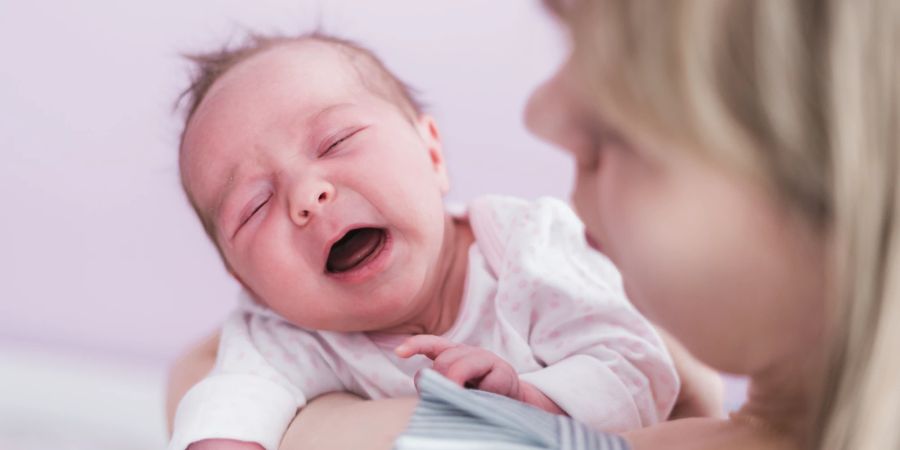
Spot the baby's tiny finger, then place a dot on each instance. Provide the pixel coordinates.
(424, 344)
(445, 360)
(499, 381)
(469, 368)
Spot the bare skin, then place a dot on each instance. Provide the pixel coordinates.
(377, 423)
(711, 256)
(280, 151)
(476, 368)
(782, 376)
(323, 424)
(284, 158)
(320, 425)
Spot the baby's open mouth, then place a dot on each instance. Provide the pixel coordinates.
(355, 249)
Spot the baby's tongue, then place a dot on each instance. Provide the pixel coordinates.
(353, 249)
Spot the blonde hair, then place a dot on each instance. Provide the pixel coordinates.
(804, 95)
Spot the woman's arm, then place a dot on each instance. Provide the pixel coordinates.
(187, 370)
(342, 421)
(702, 392)
(333, 421)
(339, 420)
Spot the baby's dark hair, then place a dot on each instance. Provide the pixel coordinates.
(208, 67)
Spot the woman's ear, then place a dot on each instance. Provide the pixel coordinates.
(428, 131)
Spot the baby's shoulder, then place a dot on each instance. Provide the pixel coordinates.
(510, 215)
(256, 322)
(506, 224)
(544, 235)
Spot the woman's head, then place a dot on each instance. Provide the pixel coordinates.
(738, 161)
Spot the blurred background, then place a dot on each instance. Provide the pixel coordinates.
(106, 274)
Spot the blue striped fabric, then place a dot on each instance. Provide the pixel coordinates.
(449, 418)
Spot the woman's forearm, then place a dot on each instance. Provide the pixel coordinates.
(342, 421)
(187, 371)
(702, 392)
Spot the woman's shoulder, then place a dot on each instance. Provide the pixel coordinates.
(706, 434)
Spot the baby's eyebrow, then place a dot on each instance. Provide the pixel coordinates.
(328, 109)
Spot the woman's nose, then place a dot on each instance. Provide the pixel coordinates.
(308, 198)
(550, 113)
(543, 105)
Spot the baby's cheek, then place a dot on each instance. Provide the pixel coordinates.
(268, 269)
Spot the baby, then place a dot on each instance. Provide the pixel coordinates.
(320, 181)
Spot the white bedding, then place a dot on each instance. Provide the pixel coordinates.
(51, 399)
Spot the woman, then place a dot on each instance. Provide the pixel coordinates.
(738, 160)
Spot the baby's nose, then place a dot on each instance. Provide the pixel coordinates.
(308, 201)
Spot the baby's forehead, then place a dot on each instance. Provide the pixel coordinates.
(299, 76)
(284, 83)
(300, 83)
(358, 67)
(284, 62)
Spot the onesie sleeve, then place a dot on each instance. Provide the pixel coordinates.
(604, 364)
(248, 396)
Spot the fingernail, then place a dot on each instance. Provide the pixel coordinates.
(402, 349)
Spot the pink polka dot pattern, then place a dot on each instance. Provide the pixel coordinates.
(536, 296)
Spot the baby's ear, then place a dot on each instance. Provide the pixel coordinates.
(428, 131)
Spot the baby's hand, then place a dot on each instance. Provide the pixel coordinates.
(224, 444)
(476, 368)
(465, 365)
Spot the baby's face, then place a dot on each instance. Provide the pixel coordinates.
(325, 198)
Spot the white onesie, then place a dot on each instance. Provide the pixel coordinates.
(535, 294)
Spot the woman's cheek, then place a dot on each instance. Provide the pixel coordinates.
(584, 201)
(638, 236)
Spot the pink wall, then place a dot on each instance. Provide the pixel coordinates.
(98, 249)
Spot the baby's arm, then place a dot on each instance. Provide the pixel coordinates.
(332, 421)
(603, 363)
(245, 398)
(187, 371)
(476, 367)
